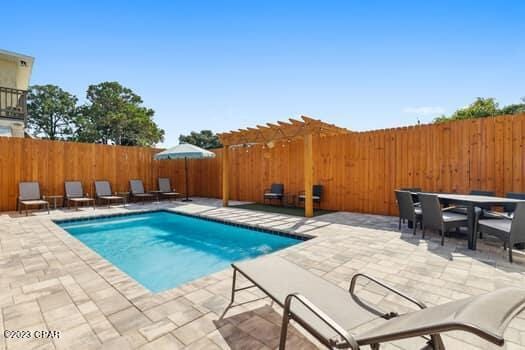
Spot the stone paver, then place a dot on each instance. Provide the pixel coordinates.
(49, 280)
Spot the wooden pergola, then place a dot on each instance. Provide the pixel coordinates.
(293, 129)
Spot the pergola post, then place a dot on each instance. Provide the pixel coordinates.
(308, 176)
(225, 175)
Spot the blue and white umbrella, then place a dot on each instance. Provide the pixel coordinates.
(185, 151)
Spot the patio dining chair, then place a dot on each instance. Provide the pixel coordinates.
(414, 191)
(341, 319)
(29, 195)
(165, 188)
(317, 193)
(510, 208)
(137, 190)
(103, 192)
(509, 230)
(75, 194)
(276, 191)
(408, 210)
(436, 218)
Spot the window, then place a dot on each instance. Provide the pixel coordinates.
(5, 131)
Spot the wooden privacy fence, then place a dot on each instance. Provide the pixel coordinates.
(52, 162)
(359, 170)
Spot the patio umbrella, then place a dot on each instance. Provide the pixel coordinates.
(185, 151)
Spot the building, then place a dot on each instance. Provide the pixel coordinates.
(15, 73)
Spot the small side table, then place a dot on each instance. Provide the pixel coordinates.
(156, 193)
(124, 195)
(54, 198)
(289, 200)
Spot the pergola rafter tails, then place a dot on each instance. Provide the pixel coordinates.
(280, 131)
(289, 130)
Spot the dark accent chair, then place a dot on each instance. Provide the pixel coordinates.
(317, 193)
(436, 218)
(276, 191)
(510, 231)
(407, 209)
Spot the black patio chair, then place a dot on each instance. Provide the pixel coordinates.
(436, 218)
(407, 209)
(317, 193)
(276, 191)
(510, 208)
(414, 191)
(510, 231)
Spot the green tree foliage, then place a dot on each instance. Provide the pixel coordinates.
(205, 139)
(481, 108)
(514, 108)
(52, 112)
(114, 114)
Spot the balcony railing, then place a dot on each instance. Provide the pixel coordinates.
(13, 103)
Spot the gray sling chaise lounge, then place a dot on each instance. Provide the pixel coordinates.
(339, 319)
(137, 190)
(103, 192)
(75, 194)
(29, 195)
(165, 188)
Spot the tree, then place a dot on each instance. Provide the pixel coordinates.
(514, 108)
(205, 139)
(51, 111)
(114, 114)
(481, 108)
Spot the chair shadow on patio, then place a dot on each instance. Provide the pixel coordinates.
(257, 329)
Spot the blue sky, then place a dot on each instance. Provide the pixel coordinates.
(223, 65)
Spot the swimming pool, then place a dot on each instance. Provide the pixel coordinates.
(162, 250)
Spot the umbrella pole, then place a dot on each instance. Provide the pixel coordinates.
(186, 177)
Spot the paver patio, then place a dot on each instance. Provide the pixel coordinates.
(49, 280)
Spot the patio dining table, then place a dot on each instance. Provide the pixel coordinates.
(470, 202)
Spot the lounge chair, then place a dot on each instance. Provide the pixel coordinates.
(75, 194)
(137, 190)
(339, 319)
(435, 218)
(510, 230)
(165, 188)
(29, 195)
(276, 191)
(103, 192)
(317, 193)
(408, 209)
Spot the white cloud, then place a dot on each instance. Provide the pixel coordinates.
(424, 110)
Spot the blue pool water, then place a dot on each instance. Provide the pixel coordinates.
(162, 250)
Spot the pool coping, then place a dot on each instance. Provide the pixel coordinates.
(130, 288)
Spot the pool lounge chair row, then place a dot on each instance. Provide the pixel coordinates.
(30, 195)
